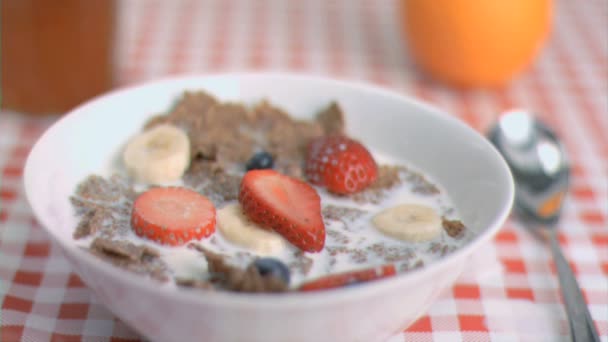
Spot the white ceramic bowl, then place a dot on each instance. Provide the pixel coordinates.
(85, 140)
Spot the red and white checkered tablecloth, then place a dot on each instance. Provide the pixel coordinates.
(513, 298)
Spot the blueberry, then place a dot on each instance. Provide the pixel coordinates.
(271, 267)
(353, 282)
(259, 161)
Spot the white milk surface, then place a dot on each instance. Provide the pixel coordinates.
(185, 262)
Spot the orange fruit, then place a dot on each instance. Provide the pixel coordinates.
(475, 43)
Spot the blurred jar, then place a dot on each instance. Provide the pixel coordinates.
(55, 53)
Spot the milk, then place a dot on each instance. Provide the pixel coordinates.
(363, 239)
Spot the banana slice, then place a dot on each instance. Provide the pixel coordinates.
(409, 222)
(159, 155)
(236, 228)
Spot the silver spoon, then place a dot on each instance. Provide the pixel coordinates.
(541, 171)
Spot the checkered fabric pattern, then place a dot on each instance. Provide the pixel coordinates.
(510, 293)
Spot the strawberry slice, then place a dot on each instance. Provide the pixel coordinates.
(172, 215)
(286, 205)
(341, 164)
(343, 279)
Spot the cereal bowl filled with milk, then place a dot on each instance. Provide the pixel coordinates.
(266, 207)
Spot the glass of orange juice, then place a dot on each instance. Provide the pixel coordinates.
(55, 54)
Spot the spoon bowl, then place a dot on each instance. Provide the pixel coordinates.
(538, 162)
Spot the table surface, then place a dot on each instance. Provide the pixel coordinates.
(515, 299)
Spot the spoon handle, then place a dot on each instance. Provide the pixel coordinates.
(581, 323)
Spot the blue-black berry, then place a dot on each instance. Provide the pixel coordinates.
(271, 267)
(353, 282)
(259, 161)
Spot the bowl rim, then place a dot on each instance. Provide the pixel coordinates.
(290, 299)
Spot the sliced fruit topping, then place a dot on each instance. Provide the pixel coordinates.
(286, 205)
(271, 267)
(159, 155)
(409, 222)
(238, 229)
(349, 278)
(341, 164)
(172, 215)
(260, 161)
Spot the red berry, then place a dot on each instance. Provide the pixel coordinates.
(286, 205)
(173, 215)
(341, 164)
(347, 278)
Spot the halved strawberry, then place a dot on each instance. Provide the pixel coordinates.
(286, 205)
(341, 164)
(172, 215)
(348, 278)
